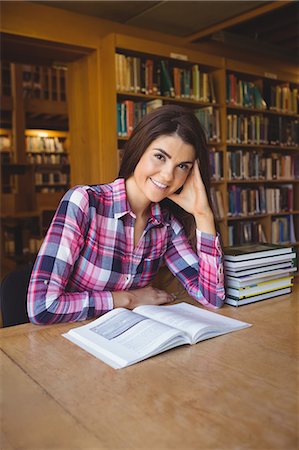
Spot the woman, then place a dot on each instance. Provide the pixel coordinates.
(107, 242)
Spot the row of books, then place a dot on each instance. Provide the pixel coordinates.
(241, 232)
(129, 113)
(243, 93)
(258, 129)
(217, 203)
(283, 230)
(44, 82)
(44, 158)
(51, 178)
(47, 189)
(5, 144)
(248, 94)
(41, 144)
(282, 98)
(34, 245)
(257, 165)
(216, 164)
(163, 77)
(209, 118)
(243, 201)
(255, 272)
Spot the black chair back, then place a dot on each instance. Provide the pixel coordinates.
(13, 296)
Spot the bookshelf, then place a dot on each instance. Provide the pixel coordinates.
(34, 144)
(262, 150)
(254, 154)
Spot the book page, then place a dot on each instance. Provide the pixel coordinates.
(135, 332)
(196, 322)
(179, 318)
(122, 337)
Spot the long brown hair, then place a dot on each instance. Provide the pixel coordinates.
(164, 121)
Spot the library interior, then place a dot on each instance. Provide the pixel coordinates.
(75, 79)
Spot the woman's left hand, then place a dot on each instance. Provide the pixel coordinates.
(193, 197)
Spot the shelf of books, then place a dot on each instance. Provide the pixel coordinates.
(34, 144)
(47, 153)
(262, 137)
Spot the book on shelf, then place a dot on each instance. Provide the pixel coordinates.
(216, 164)
(243, 93)
(244, 201)
(44, 82)
(281, 97)
(255, 272)
(153, 76)
(242, 232)
(256, 165)
(217, 203)
(209, 118)
(122, 337)
(129, 114)
(50, 144)
(283, 229)
(261, 130)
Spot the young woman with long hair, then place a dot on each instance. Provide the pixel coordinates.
(107, 242)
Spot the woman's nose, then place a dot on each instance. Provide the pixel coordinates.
(167, 173)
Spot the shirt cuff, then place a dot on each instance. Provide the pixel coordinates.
(208, 243)
(210, 251)
(103, 302)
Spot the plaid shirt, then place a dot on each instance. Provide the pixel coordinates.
(89, 252)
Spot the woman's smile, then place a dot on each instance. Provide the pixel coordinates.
(158, 185)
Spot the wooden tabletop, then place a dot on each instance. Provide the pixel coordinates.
(237, 391)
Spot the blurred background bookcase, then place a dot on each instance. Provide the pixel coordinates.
(262, 146)
(73, 130)
(34, 154)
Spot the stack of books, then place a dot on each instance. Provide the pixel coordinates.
(255, 272)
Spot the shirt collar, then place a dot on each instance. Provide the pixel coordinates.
(122, 207)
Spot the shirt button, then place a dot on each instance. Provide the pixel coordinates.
(46, 281)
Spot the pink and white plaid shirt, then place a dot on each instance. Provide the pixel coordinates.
(89, 252)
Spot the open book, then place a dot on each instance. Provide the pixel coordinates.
(122, 337)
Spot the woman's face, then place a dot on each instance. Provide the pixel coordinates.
(163, 168)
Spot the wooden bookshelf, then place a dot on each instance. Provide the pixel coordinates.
(34, 177)
(285, 113)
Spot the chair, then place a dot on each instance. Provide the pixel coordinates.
(13, 296)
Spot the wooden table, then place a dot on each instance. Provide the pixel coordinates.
(237, 391)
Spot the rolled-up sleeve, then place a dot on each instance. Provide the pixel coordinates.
(48, 300)
(200, 273)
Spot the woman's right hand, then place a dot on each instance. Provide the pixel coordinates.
(143, 296)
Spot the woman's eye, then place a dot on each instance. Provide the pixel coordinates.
(160, 156)
(183, 166)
